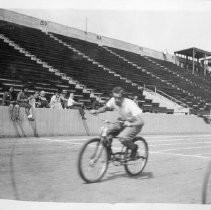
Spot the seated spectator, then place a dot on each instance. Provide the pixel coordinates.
(34, 99)
(23, 101)
(9, 99)
(55, 102)
(43, 102)
(72, 104)
(64, 99)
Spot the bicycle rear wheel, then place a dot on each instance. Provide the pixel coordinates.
(206, 187)
(136, 166)
(93, 161)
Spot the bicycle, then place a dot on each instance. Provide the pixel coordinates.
(206, 186)
(97, 153)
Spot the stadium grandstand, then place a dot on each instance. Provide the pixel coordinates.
(46, 60)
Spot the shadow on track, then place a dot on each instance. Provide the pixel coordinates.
(116, 175)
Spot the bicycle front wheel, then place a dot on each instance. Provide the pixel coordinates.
(136, 166)
(93, 161)
(206, 187)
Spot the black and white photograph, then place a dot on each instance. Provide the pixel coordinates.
(105, 104)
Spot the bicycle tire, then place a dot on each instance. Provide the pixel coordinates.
(96, 146)
(205, 185)
(141, 155)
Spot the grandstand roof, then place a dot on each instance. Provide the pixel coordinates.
(198, 52)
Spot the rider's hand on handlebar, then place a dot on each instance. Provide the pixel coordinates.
(93, 112)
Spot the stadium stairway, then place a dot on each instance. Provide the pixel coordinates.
(193, 94)
(147, 105)
(181, 77)
(203, 82)
(152, 73)
(95, 62)
(120, 67)
(99, 65)
(166, 101)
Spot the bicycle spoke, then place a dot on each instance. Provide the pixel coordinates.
(93, 161)
(136, 166)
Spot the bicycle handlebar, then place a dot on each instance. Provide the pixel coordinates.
(108, 121)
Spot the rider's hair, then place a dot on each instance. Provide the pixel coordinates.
(118, 90)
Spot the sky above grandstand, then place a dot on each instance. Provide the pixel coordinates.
(156, 24)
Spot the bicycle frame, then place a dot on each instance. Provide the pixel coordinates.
(117, 156)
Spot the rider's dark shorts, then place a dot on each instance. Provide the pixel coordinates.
(125, 133)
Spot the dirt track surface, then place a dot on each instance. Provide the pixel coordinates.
(45, 169)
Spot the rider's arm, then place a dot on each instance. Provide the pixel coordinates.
(107, 107)
(102, 110)
(138, 121)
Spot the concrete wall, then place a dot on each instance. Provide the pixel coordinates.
(68, 122)
(76, 33)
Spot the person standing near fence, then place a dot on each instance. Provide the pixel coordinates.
(43, 102)
(64, 99)
(55, 102)
(9, 99)
(72, 104)
(23, 101)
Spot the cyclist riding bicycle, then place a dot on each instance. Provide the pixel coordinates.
(129, 113)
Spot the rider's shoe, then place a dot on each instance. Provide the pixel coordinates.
(134, 152)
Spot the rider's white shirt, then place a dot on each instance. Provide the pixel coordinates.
(70, 102)
(128, 110)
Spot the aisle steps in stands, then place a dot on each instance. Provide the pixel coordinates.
(197, 90)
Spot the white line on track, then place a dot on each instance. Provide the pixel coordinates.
(180, 155)
(161, 152)
(177, 136)
(170, 140)
(148, 140)
(172, 144)
(204, 147)
(72, 142)
(62, 140)
(180, 136)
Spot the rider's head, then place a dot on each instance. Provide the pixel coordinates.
(118, 94)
